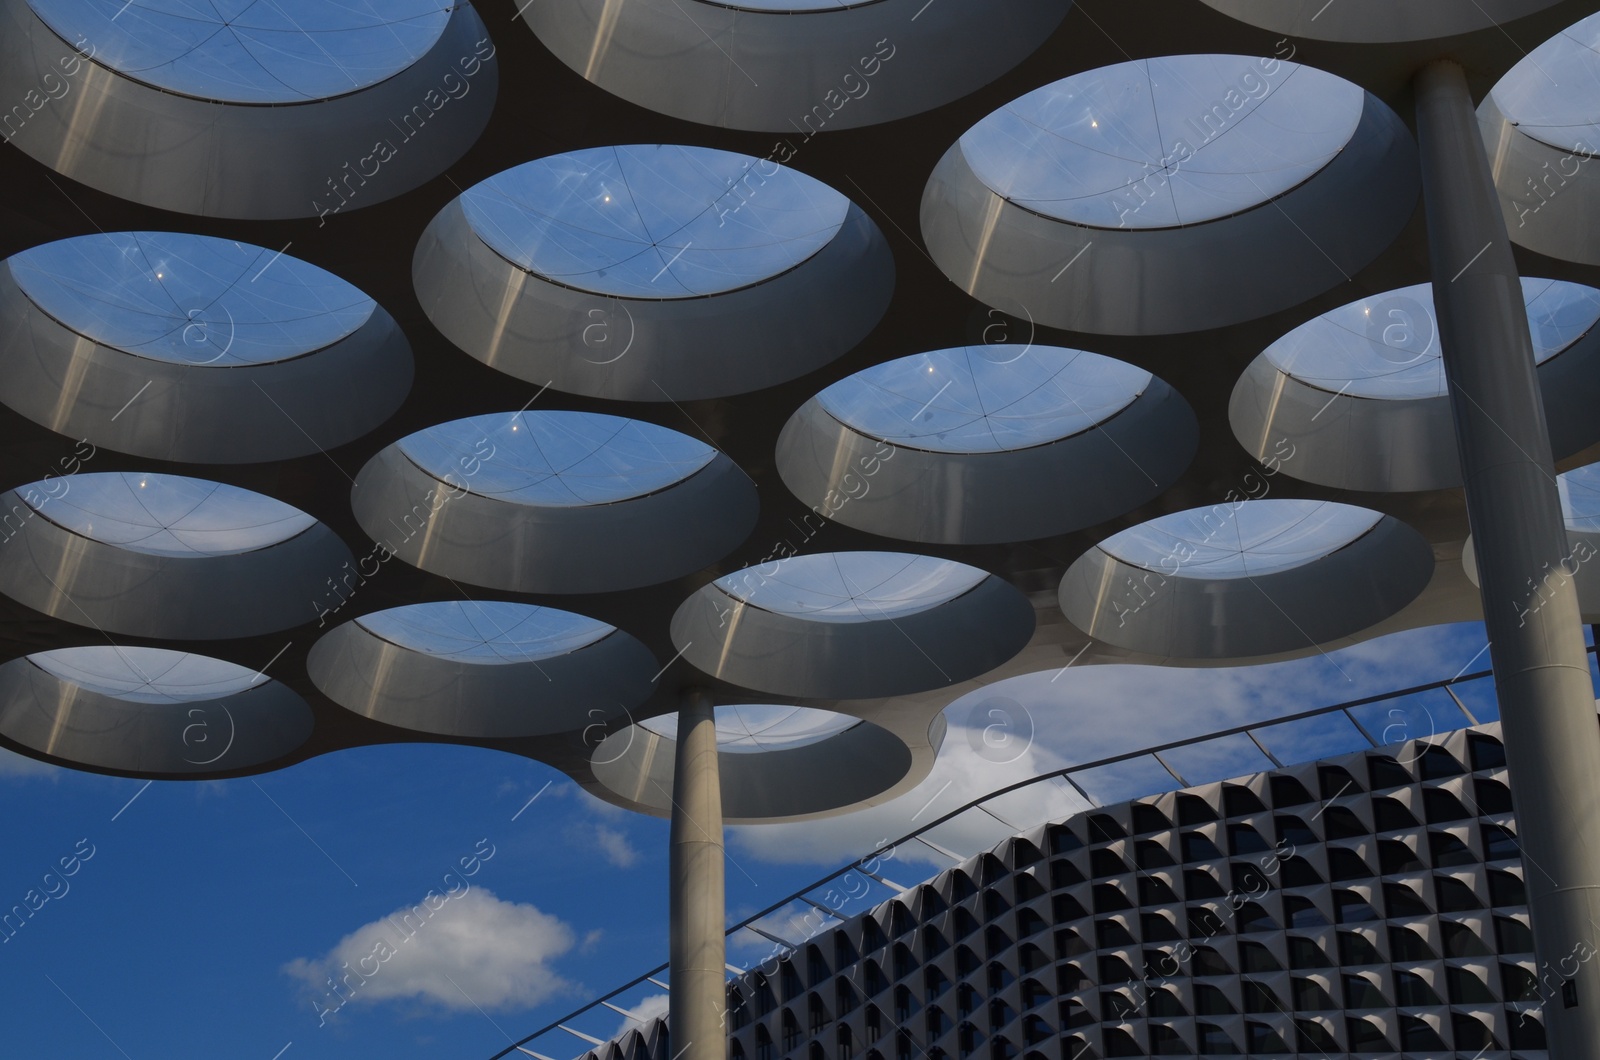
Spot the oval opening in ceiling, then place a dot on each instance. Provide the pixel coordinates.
(753, 728)
(1580, 498)
(844, 587)
(654, 221)
(188, 299)
(484, 631)
(1256, 538)
(556, 458)
(1163, 142)
(1553, 94)
(244, 51)
(169, 515)
(1387, 346)
(984, 399)
(146, 675)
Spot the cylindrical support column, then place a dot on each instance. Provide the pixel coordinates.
(1530, 604)
(696, 1022)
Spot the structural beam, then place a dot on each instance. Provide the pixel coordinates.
(696, 1022)
(1547, 703)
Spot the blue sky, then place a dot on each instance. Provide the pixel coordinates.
(203, 919)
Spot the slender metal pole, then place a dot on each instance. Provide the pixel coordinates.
(697, 1021)
(1547, 704)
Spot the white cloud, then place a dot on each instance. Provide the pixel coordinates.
(615, 846)
(967, 768)
(15, 765)
(646, 1010)
(587, 800)
(497, 953)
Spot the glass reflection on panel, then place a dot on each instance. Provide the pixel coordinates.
(251, 51)
(1242, 540)
(852, 586)
(556, 458)
(1387, 346)
(1167, 141)
(146, 675)
(984, 399)
(485, 631)
(189, 299)
(752, 728)
(167, 515)
(654, 221)
(1553, 94)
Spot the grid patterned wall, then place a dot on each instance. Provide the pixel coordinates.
(1368, 905)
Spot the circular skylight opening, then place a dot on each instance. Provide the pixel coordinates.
(169, 515)
(188, 299)
(1553, 94)
(654, 221)
(1387, 346)
(1255, 538)
(984, 399)
(146, 675)
(789, 6)
(149, 711)
(245, 51)
(852, 625)
(482, 631)
(777, 762)
(754, 728)
(482, 669)
(1580, 498)
(1162, 142)
(556, 458)
(1378, 21)
(1242, 579)
(845, 587)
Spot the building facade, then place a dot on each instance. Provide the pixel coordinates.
(1371, 904)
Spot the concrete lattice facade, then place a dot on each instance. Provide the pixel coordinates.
(1366, 905)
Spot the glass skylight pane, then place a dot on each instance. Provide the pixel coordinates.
(1120, 781)
(168, 515)
(1387, 346)
(252, 51)
(852, 586)
(753, 728)
(654, 221)
(1419, 716)
(1308, 739)
(1553, 94)
(1167, 141)
(189, 299)
(1559, 314)
(482, 631)
(1580, 498)
(984, 399)
(1252, 539)
(146, 675)
(1222, 758)
(556, 458)
(784, 6)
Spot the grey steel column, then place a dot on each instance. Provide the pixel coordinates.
(696, 1022)
(1547, 704)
